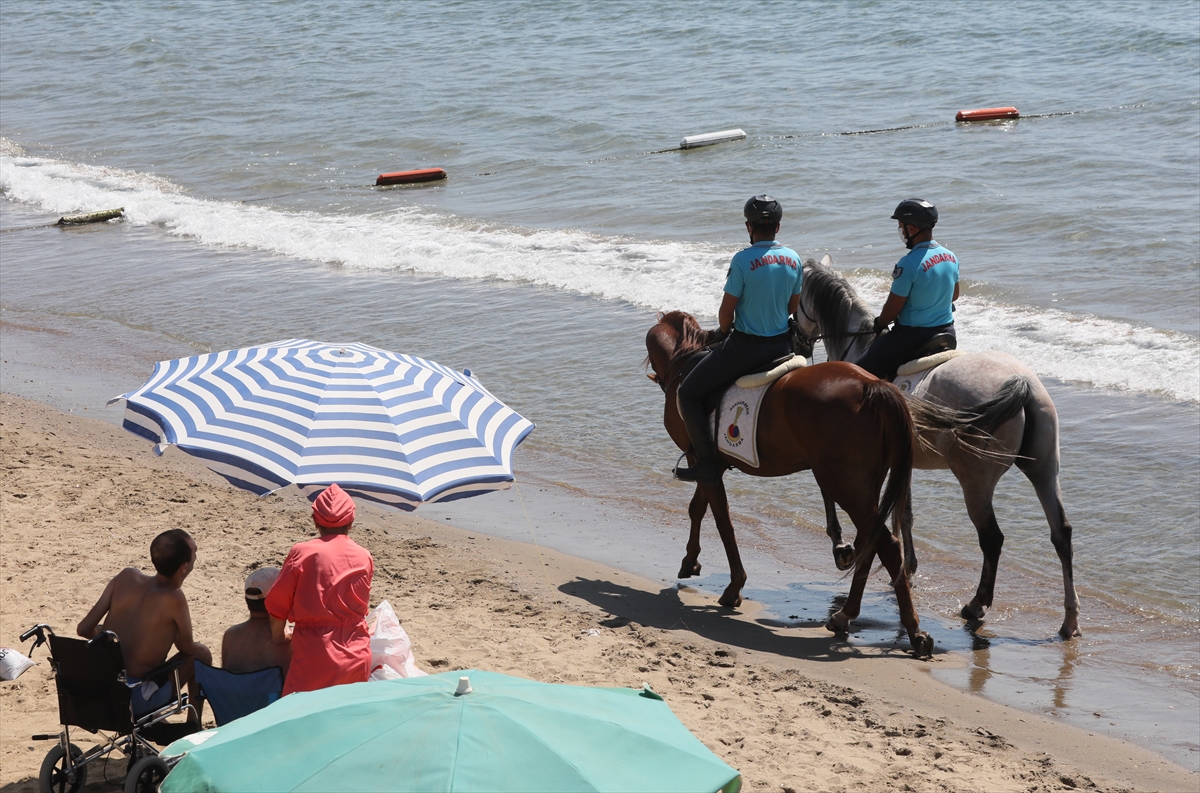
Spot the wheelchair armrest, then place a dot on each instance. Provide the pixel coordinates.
(161, 672)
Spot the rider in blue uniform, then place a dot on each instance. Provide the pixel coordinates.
(924, 288)
(761, 291)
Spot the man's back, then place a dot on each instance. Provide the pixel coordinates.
(145, 617)
(248, 647)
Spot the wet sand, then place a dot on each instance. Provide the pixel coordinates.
(792, 708)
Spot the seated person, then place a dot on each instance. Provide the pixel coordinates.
(247, 646)
(149, 614)
(324, 589)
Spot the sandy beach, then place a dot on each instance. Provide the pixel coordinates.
(793, 709)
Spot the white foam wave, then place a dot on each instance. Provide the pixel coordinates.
(1075, 347)
(658, 275)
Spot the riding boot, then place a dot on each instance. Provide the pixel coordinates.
(707, 470)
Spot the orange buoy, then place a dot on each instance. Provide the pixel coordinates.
(411, 177)
(987, 114)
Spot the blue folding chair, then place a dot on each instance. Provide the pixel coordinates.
(236, 694)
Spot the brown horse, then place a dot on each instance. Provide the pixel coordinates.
(848, 427)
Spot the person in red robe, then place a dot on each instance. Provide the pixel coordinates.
(324, 588)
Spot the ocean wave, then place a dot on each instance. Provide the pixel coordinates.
(662, 275)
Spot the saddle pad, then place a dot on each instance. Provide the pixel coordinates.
(766, 378)
(911, 378)
(737, 426)
(913, 385)
(926, 363)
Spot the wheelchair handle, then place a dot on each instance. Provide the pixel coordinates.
(38, 629)
(103, 636)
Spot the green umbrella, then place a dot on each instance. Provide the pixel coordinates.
(425, 734)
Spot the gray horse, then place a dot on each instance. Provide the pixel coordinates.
(834, 313)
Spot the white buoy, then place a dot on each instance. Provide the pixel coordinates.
(709, 138)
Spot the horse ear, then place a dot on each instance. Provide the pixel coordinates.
(827, 260)
(653, 377)
(658, 317)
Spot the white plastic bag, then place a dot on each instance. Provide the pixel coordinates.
(12, 663)
(391, 649)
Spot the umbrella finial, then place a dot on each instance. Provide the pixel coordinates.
(464, 686)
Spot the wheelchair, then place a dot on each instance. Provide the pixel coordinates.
(93, 695)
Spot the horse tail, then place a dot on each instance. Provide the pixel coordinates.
(890, 406)
(971, 429)
(1008, 401)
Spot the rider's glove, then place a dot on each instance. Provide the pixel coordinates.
(880, 325)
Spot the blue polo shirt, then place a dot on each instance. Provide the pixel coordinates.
(763, 278)
(926, 276)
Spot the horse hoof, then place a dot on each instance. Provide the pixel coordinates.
(973, 613)
(843, 556)
(922, 645)
(730, 601)
(1069, 631)
(689, 569)
(839, 623)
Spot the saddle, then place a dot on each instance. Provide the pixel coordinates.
(932, 354)
(940, 342)
(713, 400)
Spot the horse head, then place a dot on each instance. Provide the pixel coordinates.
(675, 334)
(832, 311)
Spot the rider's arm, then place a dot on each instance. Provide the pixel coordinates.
(891, 310)
(955, 298)
(89, 626)
(725, 315)
(794, 306)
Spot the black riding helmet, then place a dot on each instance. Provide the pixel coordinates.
(917, 212)
(762, 210)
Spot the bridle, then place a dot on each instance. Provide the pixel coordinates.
(811, 341)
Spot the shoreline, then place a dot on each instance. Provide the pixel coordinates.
(791, 708)
(1099, 683)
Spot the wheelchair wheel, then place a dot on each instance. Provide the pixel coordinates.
(146, 775)
(53, 776)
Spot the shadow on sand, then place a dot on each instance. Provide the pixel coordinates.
(667, 611)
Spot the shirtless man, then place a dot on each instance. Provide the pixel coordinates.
(248, 646)
(149, 613)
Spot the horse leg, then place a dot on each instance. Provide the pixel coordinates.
(696, 511)
(843, 552)
(910, 553)
(978, 495)
(839, 621)
(889, 553)
(732, 596)
(1050, 495)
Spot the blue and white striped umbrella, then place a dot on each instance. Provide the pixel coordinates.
(387, 427)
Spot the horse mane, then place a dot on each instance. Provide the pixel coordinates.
(834, 301)
(690, 336)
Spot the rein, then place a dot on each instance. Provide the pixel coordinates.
(678, 369)
(812, 340)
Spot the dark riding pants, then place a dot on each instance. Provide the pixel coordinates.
(897, 347)
(738, 354)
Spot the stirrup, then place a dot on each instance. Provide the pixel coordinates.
(700, 473)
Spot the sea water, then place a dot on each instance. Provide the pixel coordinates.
(243, 142)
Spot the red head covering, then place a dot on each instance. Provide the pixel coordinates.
(333, 509)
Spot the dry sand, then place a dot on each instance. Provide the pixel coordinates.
(793, 709)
